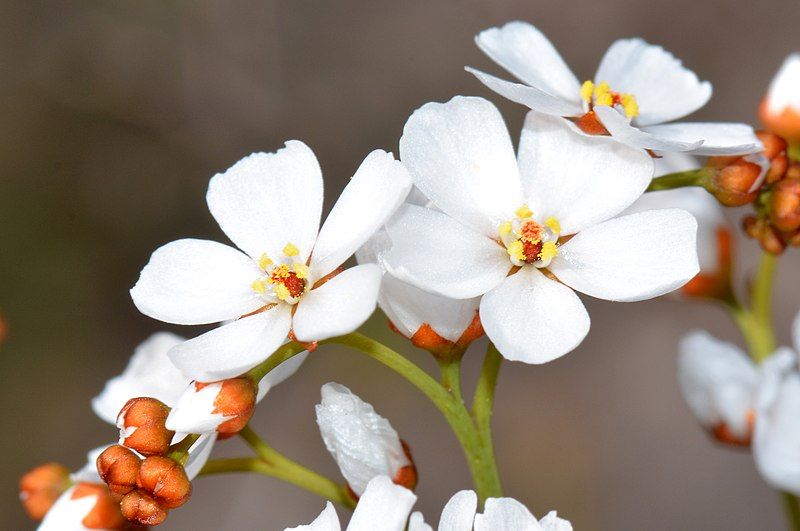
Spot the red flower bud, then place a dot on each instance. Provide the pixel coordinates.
(784, 205)
(763, 231)
(119, 468)
(141, 424)
(443, 349)
(236, 399)
(40, 488)
(775, 151)
(138, 507)
(106, 511)
(165, 480)
(407, 476)
(731, 179)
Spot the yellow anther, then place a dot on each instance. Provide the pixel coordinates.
(291, 250)
(549, 251)
(279, 272)
(301, 270)
(602, 94)
(630, 105)
(505, 229)
(516, 250)
(524, 212)
(586, 91)
(259, 287)
(282, 292)
(554, 225)
(264, 262)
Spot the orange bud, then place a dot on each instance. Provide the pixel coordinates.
(140, 508)
(119, 467)
(723, 434)
(716, 284)
(407, 476)
(165, 480)
(591, 125)
(785, 205)
(730, 180)
(443, 349)
(141, 423)
(775, 151)
(785, 123)
(40, 488)
(761, 230)
(236, 399)
(106, 511)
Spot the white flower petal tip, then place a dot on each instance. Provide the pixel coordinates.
(780, 110)
(199, 453)
(530, 96)
(195, 410)
(72, 507)
(717, 138)
(383, 506)
(532, 318)
(507, 514)
(719, 383)
(417, 522)
(631, 258)
(148, 373)
(326, 521)
(363, 443)
(459, 512)
(621, 129)
(268, 199)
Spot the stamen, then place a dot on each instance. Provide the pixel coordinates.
(524, 212)
(291, 250)
(554, 225)
(586, 91)
(264, 262)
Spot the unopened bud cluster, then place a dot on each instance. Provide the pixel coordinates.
(40, 488)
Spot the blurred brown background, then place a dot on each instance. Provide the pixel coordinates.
(113, 115)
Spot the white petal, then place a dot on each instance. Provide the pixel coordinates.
(505, 514)
(718, 381)
(460, 155)
(551, 522)
(68, 514)
(784, 91)
(703, 206)
(459, 512)
(279, 374)
(776, 446)
(196, 282)
(417, 522)
(326, 521)
(339, 306)
(438, 254)
(631, 258)
(384, 506)
(234, 348)
(199, 453)
(718, 138)
(664, 89)
(533, 319)
(622, 130)
(149, 373)
(363, 443)
(194, 411)
(530, 96)
(267, 200)
(524, 51)
(578, 178)
(376, 190)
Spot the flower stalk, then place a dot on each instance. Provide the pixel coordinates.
(677, 180)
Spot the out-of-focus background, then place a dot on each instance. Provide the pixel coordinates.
(113, 115)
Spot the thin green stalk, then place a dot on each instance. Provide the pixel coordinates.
(284, 353)
(483, 401)
(270, 462)
(792, 506)
(677, 180)
(180, 450)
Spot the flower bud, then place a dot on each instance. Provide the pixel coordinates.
(141, 426)
(165, 480)
(224, 406)
(780, 109)
(775, 152)
(138, 507)
(118, 467)
(761, 230)
(106, 511)
(784, 205)
(407, 476)
(443, 349)
(734, 181)
(40, 488)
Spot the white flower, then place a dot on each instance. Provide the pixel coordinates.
(502, 229)
(416, 313)
(384, 506)
(70, 510)
(776, 443)
(638, 87)
(363, 443)
(269, 205)
(780, 110)
(196, 410)
(719, 383)
(149, 373)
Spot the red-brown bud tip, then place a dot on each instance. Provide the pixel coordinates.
(119, 468)
(591, 125)
(236, 399)
(775, 151)
(106, 511)
(763, 231)
(40, 488)
(730, 180)
(141, 423)
(723, 434)
(165, 480)
(140, 508)
(407, 476)
(785, 205)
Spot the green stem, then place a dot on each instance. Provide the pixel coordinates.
(755, 321)
(792, 506)
(284, 353)
(677, 180)
(180, 450)
(447, 398)
(483, 401)
(270, 462)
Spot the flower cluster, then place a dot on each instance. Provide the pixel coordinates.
(462, 236)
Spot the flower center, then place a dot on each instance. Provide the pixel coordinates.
(601, 94)
(528, 241)
(286, 281)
